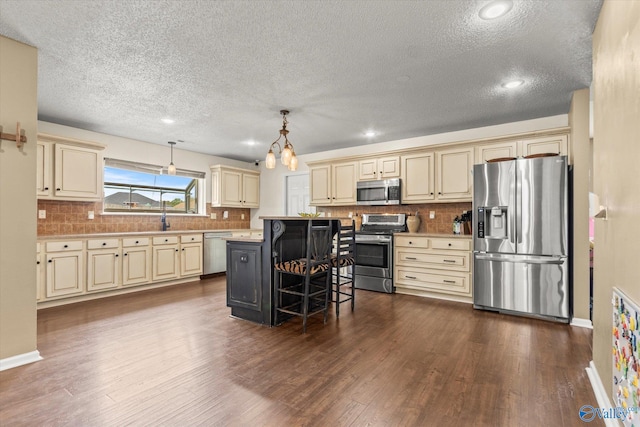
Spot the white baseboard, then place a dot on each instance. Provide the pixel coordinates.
(601, 393)
(19, 360)
(581, 323)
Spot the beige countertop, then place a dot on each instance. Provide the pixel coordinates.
(455, 236)
(143, 233)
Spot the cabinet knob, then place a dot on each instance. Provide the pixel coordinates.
(57, 189)
(126, 254)
(49, 261)
(182, 249)
(117, 255)
(439, 192)
(449, 244)
(66, 246)
(166, 240)
(137, 242)
(46, 188)
(104, 243)
(411, 243)
(38, 262)
(177, 250)
(431, 194)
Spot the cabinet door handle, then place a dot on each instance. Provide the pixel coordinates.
(411, 277)
(449, 260)
(411, 258)
(449, 281)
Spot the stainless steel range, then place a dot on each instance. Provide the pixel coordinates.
(374, 251)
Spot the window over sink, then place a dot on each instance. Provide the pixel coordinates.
(144, 188)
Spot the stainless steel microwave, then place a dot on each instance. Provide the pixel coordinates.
(379, 192)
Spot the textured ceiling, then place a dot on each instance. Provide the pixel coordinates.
(223, 70)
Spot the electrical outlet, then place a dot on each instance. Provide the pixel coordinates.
(42, 214)
(225, 215)
(241, 216)
(432, 214)
(214, 215)
(350, 214)
(90, 215)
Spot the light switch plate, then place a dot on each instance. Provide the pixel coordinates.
(42, 214)
(241, 216)
(432, 214)
(225, 215)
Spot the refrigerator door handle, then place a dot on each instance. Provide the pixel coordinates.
(527, 260)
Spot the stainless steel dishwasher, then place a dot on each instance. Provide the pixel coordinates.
(215, 253)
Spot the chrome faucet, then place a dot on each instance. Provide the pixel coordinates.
(165, 224)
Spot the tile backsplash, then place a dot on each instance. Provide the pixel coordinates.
(66, 217)
(442, 223)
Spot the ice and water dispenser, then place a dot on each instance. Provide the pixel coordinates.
(492, 222)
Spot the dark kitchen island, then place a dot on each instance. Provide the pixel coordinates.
(251, 278)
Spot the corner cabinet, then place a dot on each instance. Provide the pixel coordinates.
(234, 187)
(333, 184)
(69, 169)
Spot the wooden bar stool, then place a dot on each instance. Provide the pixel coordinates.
(309, 294)
(343, 261)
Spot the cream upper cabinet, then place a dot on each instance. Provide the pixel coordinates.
(44, 172)
(379, 168)
(418, 174)
(234, 187)
(454, 181)
(487, 152)
(320, 185)
(333, 184)
(344, 183)
(557, 144)
(68, 169)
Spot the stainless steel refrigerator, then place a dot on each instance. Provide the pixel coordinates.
(521, 251)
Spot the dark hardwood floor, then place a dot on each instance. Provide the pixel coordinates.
(174, 357)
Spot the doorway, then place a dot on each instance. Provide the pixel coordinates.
(297, 194)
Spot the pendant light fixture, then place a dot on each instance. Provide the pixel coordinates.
(287, 154)
(171, 170)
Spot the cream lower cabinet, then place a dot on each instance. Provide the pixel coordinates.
(65, 268)
(166, 258)
(191, 255)
(333, 184)
(103, 264)
(136, 261)
(433, 266)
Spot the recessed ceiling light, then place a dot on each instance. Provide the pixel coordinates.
(251, 142)
(495, 9)
(370, 133)
(168, 120)
(512, 84)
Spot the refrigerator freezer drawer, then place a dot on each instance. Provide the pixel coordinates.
(530, 285)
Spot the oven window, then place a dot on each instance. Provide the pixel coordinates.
(371, 194)
(372, 255)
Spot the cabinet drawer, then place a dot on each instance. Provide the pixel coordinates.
(102, 244)
(191, 238)
(75, 245)
(455, 244)
(453, 283)
(428, 259)
(135, 241)
(412, 241)
(165, 240)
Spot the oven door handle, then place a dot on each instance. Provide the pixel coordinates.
(372, 242)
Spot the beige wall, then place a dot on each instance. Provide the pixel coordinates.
(580, 154)
(616, 145)
(18, 102)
